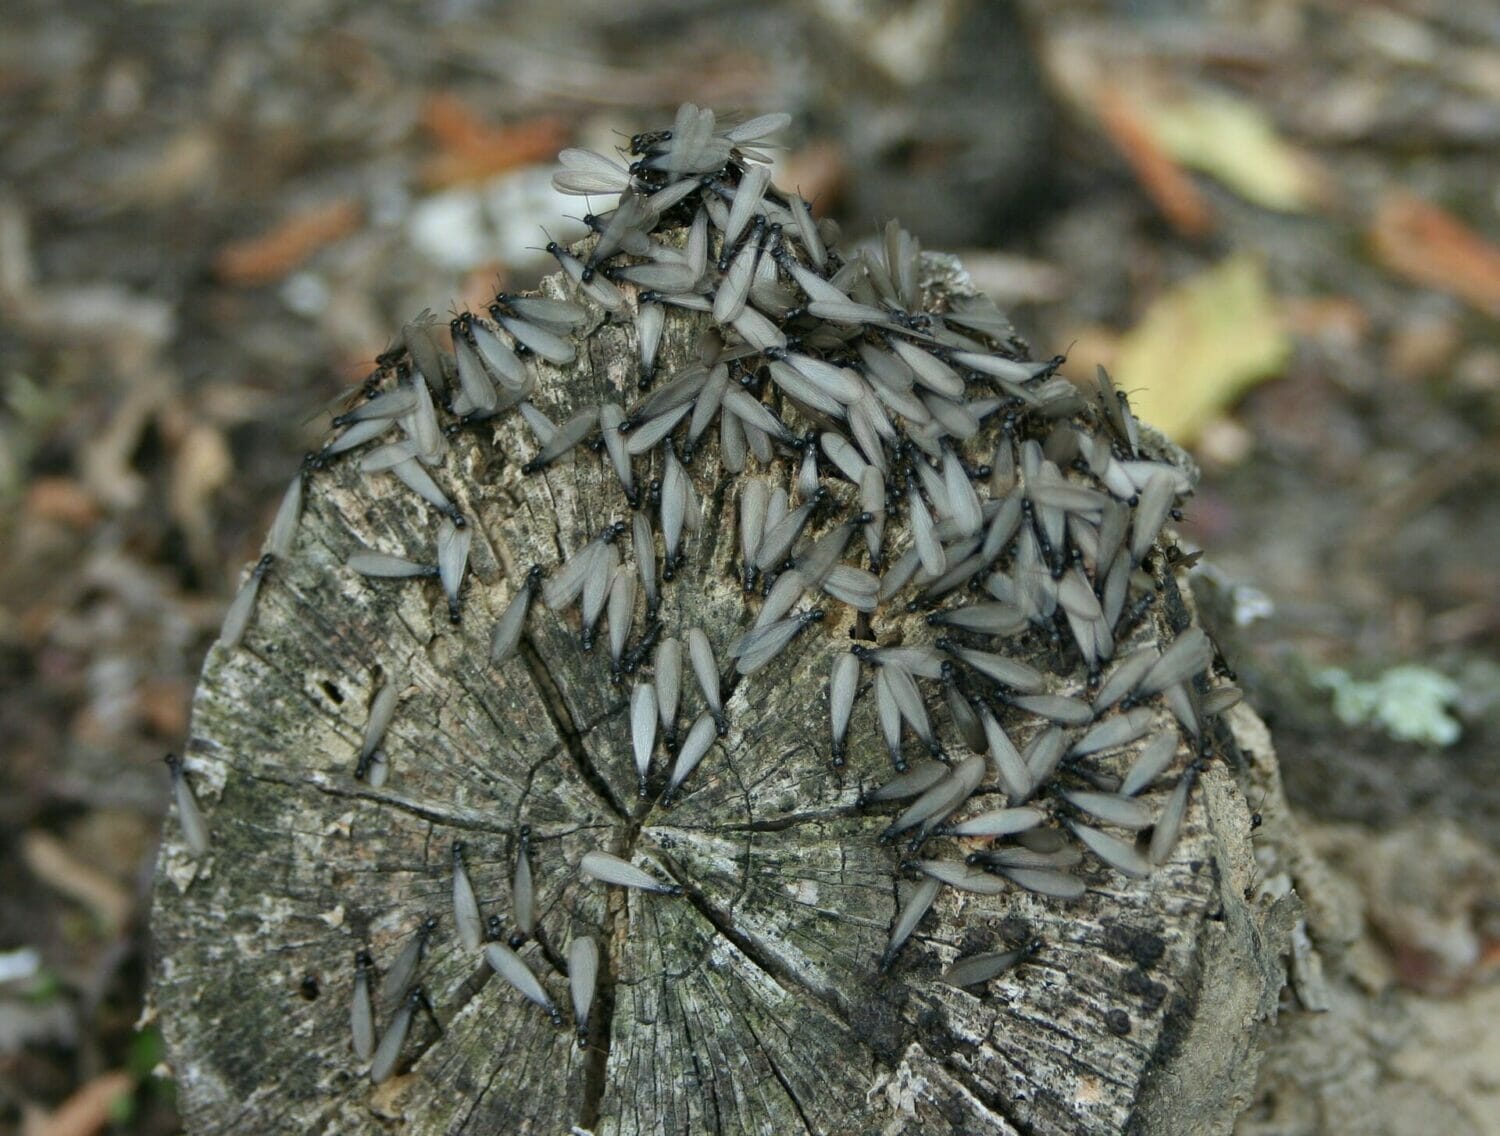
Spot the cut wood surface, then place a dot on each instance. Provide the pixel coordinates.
(753, 1002)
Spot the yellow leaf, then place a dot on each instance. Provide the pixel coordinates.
(1200, 345)
(1235, 143)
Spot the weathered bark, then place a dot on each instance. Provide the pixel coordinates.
(751, 1004)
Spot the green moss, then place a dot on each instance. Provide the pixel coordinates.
(1408, 702)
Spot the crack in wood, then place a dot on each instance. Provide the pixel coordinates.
(723, 923)
(596, 1064)
(601, 1024)
(710, 1082)
(786, 1085)
(376, 797)
(562, 721)
(466, 1124)
(992, 1100)
(783, 823)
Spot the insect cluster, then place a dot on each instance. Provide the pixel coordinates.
(900, 472)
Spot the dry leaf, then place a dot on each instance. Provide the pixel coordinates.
(472, 150)
(1423, 346)
(185, 164)
(270, 256)
(201, 467)
(1235, 142)
(1432, 247)
(202, 464)
(162, 704)
(1340, 322)
(1160, 176)
(1200, 345)
(818, 170)
(54, 864)
(87, 1111)
(62, 499)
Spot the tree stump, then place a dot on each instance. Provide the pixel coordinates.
(754, 1001)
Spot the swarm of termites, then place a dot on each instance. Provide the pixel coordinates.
(901, 471)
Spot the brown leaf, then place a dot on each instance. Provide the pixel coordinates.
(1338, 321)
(818, 171)
(62, 499)
(451, 123)
(471, 150)
(1163, 179)
(201, 466)
(185, 164)
(1422, 346)
(87, 1111)
(1430, 246)
(271, 255)
(162, 705)
(56, 866)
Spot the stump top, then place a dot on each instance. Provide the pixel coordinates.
(755, 1000)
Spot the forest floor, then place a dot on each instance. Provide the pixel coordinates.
(1278, 227)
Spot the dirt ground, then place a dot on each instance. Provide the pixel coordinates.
(1278, 224)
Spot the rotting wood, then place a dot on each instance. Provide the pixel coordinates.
(752, 1003)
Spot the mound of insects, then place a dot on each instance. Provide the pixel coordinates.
(736, 689)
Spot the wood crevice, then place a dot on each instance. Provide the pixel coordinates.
(562, 720)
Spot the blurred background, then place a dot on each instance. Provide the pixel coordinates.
(1277, 223)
